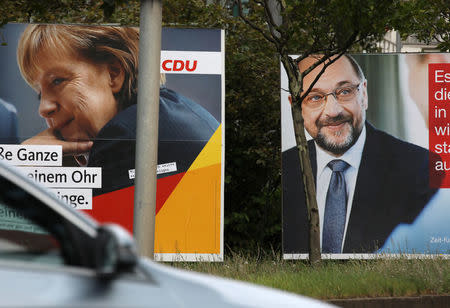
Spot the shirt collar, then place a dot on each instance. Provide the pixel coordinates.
(352, 156)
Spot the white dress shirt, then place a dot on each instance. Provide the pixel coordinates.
(351, 157)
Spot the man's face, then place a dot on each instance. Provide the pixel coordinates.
(335, 126)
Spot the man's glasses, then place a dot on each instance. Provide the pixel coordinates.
(342, 95)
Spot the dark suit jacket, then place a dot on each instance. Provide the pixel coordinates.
(391, 188)
(184, 129)
(8, 123)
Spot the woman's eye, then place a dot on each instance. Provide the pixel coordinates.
(57, 81)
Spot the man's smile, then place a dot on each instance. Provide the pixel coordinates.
(338, 126)
(336, 123)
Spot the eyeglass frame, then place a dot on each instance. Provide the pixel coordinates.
(333, 93)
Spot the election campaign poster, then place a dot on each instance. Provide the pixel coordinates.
(378, 138)
(68, 108)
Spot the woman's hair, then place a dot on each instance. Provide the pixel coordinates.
(98, 44)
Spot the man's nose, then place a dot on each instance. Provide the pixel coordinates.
(332, 107)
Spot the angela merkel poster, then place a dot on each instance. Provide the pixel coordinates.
(69, 95)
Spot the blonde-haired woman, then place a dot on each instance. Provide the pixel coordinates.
(86, 79)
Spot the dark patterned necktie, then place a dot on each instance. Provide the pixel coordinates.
(335, 208)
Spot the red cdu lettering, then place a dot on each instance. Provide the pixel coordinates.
(194, 66)
(178, 65)
(164, 65)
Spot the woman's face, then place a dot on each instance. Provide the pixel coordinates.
(76, 96)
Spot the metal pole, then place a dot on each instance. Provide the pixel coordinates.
(147, 126)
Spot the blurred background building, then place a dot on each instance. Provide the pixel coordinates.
(393, 43)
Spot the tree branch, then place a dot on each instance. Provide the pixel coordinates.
(328, 56)
(322, 60)
(252, 25)
(271, 22)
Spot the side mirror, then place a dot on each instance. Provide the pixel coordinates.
(115, 250)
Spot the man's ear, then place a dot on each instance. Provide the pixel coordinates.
(116, 76)
(290, 99)
(364, 93)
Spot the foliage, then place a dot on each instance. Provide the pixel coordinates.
(427, 20)
(253, 146)
(51, 11)
(381, 277)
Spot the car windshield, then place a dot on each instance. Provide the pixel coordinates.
(23, 240)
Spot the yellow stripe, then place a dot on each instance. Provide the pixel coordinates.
(211, 153)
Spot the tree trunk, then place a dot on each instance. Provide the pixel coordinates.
(308, 181)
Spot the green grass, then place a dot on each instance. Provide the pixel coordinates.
(336, 279)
